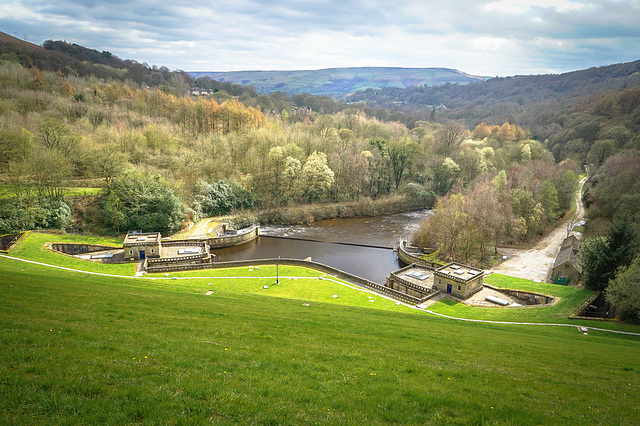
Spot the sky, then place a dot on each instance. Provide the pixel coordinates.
(479, 37)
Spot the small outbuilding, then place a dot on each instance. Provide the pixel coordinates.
(458, 280)
(566, 267)
(138, 245)
(414, 280)
(571, 241)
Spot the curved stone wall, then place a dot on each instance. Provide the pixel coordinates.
(74, 249)
(409, 258)
(243, 236)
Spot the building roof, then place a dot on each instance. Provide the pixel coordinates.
(141, 239)
(571, 241)
(459, 272)
(568, 255)
(415, 274)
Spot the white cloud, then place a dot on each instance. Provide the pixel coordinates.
(480, 37)
(519, 7)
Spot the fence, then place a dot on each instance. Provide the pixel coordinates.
(183, 243)
(178, 259)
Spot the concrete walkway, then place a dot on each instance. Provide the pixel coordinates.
(422, 309)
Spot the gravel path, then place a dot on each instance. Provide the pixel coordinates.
(536, 263)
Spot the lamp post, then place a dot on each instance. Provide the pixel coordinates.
(277, 271)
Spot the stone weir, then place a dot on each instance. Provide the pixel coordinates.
(413, 255)
(232, 238)
(228, 238)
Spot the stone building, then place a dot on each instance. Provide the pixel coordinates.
(566, 267)
(414, 280)
(142, 245)
(459, 280)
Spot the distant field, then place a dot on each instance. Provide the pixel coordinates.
(340, 81)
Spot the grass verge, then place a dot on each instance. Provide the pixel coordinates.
(32, 248)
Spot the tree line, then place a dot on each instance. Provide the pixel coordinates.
(57, 128)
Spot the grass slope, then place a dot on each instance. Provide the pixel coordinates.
(32, 248)
(94, 349)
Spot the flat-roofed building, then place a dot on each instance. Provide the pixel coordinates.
(457, 279)
(414, 280)
(138, 245)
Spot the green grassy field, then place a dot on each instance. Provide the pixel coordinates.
(83, 349)
(6, 191)
(31, 247)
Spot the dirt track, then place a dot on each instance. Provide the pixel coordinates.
(536, 263)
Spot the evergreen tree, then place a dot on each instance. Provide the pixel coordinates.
(602, 256)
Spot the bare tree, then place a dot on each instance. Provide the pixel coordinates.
(450, 136)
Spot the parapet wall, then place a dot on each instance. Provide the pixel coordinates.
(243, 236)
(182, 243)
(409, 258)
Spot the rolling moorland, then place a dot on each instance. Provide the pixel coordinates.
(339, 82)
(86, 136)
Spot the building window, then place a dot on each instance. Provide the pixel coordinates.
(130, 251)
(153, 250)
(458, 288)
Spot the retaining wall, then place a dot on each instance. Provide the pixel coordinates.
(7, 242)
(577, 313)
(73, 249)
(529, 296)
(243, 236)
(409, 258)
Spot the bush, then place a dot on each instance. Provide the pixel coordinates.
(624, 292)
(17, 216)
(142, 201)
(221, 197)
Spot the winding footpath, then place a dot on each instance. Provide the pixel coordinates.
(536, 263)
(326, 279)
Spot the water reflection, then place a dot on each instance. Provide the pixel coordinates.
(367, 262)
(373, 263)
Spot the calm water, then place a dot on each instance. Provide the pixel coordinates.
(381, 231)
(338, 243)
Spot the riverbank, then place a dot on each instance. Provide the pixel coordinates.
(364, 207)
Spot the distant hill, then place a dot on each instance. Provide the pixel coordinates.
(536, 102)
(73, 59)
(521, 90)
(339, 82)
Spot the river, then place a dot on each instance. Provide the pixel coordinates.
(361, 246)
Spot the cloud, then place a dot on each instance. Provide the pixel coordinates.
(488, 37)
